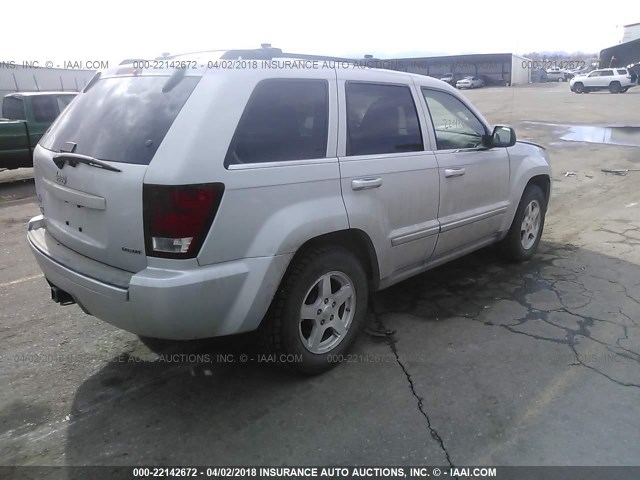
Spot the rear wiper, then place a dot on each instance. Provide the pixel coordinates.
(74, 159)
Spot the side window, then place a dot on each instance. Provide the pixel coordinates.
(283, 120)
(381, 119)
(45, 108)
(606, 73)
(13, 108)
(454, 124)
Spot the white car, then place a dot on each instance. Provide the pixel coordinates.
(470, 82)
(616, 80)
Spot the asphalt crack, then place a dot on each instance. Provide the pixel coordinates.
(541, 274)
(391, 342)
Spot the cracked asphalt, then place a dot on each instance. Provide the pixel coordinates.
(476, 362)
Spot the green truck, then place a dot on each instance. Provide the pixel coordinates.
(25, 117)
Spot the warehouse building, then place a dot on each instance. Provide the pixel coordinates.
(494, 68)
(627, 52)
(16, 77)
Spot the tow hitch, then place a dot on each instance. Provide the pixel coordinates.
(60, 296)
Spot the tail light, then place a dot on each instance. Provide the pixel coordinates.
(177, 218)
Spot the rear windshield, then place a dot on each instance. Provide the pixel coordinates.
(121, 119)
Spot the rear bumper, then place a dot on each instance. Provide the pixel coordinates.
(201, 302)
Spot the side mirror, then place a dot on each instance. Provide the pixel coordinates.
(502, 137)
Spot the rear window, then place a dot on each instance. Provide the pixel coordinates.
(121, 119)
(13, 108)
(381, 119)
(285, 119)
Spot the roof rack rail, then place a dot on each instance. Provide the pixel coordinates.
(266, 52)
(305, 56)
(269, 53)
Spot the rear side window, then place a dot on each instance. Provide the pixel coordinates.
(381, 119)
(621, 72)
(284, 120)
(13, 108)
(121, 119)
(45, 108)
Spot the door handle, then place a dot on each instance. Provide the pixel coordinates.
(366, 183)
(454, 172)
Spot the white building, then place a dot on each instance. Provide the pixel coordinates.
(630, 32)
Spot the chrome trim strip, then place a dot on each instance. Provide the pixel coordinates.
(476, 218)
(409, 237)
(70, 195)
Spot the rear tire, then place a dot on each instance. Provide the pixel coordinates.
(319, 308)
(526, 229)
(615, 87)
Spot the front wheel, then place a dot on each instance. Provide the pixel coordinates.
(526, 229)
(578, 88)
(318, 310)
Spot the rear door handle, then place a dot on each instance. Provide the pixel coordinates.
(365, 183)
(454, 172)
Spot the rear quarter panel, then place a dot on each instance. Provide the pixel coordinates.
(267, 209)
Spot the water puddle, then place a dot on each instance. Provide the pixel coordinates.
(628, 136)
(609, 135)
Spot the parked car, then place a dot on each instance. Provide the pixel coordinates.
(555, 75)
(538, 75)
(616, 80)
(166, 219)
(634, 72)
(450, 78)
(470, 82)
(25, 118)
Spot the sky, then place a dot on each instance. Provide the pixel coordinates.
(73, 30)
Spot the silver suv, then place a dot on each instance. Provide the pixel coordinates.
(232, 195)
